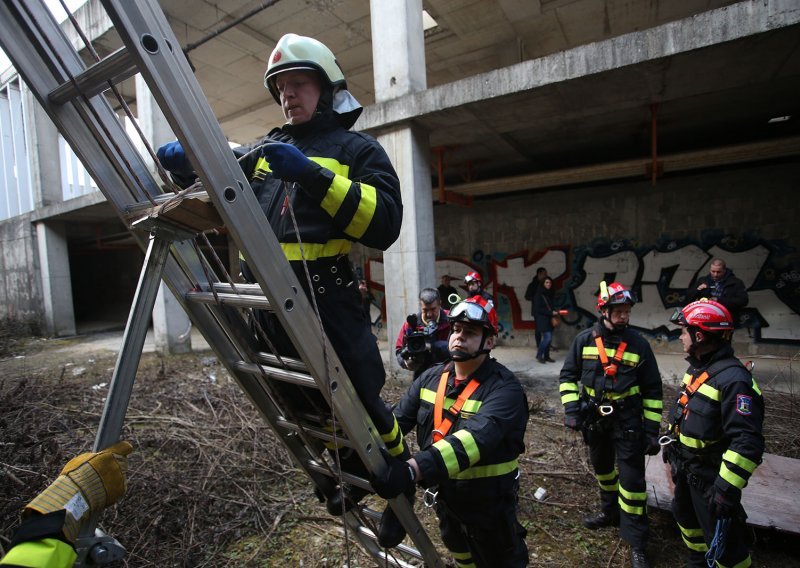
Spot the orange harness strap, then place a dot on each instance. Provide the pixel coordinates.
(443, 420)
(609, 367)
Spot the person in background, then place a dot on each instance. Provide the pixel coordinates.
(530, 294)
(722, 286)
(51, 522)
(445, 291)
(474, 285)
(543, 314)
(611, 391)
(422, 341)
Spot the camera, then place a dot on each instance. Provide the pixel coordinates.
(416, 341)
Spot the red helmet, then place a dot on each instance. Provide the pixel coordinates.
(473, 276)
(704, 314)
(613, 295)
(475, 310)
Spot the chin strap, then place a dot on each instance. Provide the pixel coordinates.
(459, 355)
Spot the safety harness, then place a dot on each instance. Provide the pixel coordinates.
(609, 370)
(443, 419)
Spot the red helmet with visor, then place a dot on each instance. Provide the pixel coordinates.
(614, 294)
(475, 310)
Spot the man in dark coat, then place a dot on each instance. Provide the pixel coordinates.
(721, 286)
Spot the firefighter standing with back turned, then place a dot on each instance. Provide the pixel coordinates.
(611, 391)
(715, 437)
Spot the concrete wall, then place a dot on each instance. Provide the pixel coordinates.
(656, 239)
(20, 292)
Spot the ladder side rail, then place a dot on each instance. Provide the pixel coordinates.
(92, 130)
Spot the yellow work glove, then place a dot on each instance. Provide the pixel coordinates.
(87, 484)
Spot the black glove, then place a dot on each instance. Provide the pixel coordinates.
(288, 163)
(571, 420)
(652, 447)
(722, 506)
(173, 157)
(398, 477)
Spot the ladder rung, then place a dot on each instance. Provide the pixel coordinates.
(284, 375)
(115, 68)
(243, 289)
(346, 477)
(271, 360)
(402, 548)
(235, 300)
(314, 431)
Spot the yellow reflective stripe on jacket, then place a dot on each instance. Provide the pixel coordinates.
(469, 407)
(448, 456)
(652, 409)
(470, 447)
(738, 459)
(569, 392)
(315, 251)
(338, 190)
(394, 440)
(731, 476)
(695, 442)
(44, 553)
(365, 212)
(708, 391)
(614, 395)
(755, 387)
(494, 470)
(628, 358)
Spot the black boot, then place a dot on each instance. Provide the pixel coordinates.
(639, 558)
(352, 495)
(600, 520)
(390, 531)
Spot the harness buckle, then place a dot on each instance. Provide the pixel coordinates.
(429, 498)
(665, 440)
(605, 409)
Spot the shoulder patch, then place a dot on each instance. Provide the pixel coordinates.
(744, 404)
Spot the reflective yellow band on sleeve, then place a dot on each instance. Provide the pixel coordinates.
(365, 212)
(571, 397)
(731, 477)
(755, 387)
(470, 447)
(44, 553)
(738, 459)
(335, 195)
(494, 470)
(572, 387)
(448, 456)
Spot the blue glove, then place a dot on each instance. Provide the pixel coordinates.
(173, 158)
(288, 163)
(397, 478)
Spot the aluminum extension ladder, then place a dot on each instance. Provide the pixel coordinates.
(72, 95)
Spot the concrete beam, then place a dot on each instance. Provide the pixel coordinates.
(703, 30)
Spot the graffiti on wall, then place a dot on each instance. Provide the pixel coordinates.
(659, 274)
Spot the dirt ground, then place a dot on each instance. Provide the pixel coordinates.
(209, 485)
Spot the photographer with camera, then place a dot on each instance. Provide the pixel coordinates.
(422, 341)
(611, 391)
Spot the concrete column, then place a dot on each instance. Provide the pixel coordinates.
(398, 54)
(171, 325)
(43, 153)
(59, 314)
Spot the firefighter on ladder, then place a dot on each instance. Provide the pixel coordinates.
(88, 484)
(323, 187)
(471, 414)
(611, 391)
(715, 439)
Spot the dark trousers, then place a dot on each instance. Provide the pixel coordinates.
(616, 450)
(349, 331)
(690, 509)
(495, 538)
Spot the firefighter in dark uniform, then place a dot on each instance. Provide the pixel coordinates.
(339, 187)
(715, 439)
(51, 522)
(474, 285)
(611, 391)
(470, 414)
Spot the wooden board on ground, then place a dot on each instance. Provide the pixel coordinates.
(771, 498)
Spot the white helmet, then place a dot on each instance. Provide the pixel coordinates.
(299, 52)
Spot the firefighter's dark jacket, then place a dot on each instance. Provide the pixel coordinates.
(478, 457)
(637, 378)
(723, 423)
(352, 194)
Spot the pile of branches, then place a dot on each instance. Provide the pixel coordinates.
(206, 470)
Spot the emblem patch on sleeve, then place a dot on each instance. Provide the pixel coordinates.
(744, 404)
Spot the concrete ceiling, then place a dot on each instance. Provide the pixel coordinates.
(715, 96)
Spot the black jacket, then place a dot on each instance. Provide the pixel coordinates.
(354, 194)
(728, 291)
(723, 423)
(543, 309)
(477, 460)
(638, 379)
